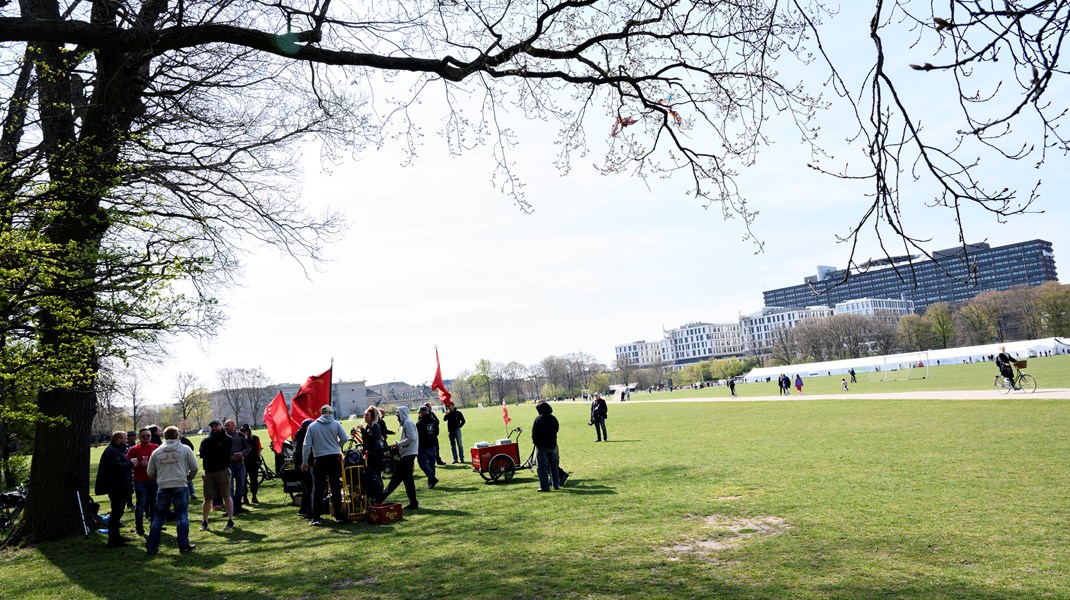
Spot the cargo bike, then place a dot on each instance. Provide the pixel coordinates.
(499, 461)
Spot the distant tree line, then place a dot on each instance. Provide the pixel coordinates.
(1021, 313)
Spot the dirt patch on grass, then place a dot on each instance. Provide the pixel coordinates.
(721, 532)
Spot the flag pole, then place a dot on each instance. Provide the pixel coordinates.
(330, 385)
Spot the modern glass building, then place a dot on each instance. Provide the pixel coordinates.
(955, 275)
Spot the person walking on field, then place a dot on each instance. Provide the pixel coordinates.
(407, 448)
(599, 412)
(798, 383)
(172, 466)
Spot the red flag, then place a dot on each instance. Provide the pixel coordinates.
(443, 394)
(297, 415)
(314, 393)
(505, 413)
(278, 423)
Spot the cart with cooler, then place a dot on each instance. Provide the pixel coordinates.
(499, 461)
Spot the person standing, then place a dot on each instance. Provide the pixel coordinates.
(324, 442)
(216, 450)
(144, 486)
(252, 462)
(438, 449)
(732, 386)
(599, 412)
(798, 383)
(154, 429)
(306, 474)
(427, 455)
(172, 466)
(852, 374)
(239, 449)
(114, 477)
(185, 442)
(406, 447)
(375, 449)
(454, 422)
(544, 438)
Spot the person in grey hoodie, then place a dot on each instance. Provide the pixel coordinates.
(324, 442)
(407, 448)
(173, 466)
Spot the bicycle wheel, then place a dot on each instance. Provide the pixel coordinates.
(1001, 385)
(1027, 383)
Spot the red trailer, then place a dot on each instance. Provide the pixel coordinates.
(499, 460)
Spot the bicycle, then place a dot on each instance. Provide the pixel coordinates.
(1021, 381)
(11, 505)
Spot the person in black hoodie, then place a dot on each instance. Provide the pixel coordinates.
(114, 475)
(544, 438)
(306, 476)
(215, 452)
(427, 426)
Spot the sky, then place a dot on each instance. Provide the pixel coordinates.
(435, 255)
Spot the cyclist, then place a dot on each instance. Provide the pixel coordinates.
(1005, 363)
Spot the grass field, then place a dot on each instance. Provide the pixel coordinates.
(817, 499)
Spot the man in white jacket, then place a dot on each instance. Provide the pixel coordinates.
(173, 466)
(407, 448)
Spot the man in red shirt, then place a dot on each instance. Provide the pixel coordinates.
(144, 486)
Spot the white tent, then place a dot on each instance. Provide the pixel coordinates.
(929, 358)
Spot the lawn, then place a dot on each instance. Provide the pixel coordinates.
(817, 499)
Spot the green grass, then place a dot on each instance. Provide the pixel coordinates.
(883, 498)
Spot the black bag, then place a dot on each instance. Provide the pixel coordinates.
(291, 481)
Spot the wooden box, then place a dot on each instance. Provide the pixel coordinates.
(384, 513)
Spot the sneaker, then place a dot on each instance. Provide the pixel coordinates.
(431, 484)
(412, 506)
(255, 501)
(141, 531)
(229, 526)
(314, 522)
(152, 552)
(542, 489)
(204, 525)
(187, 549)
(340, 520)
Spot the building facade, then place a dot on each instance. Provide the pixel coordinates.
(696, 342)
(953, 276)
(760, 330)
(888, 309)
(639, 354)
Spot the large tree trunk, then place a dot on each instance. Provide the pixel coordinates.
(60, 467)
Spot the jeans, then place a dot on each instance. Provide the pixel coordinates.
(457, 446)
(547, 467)
(600, 429)
(237, 482)
(146, 501)
(165, 498)
(426, 459)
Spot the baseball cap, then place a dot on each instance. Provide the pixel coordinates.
(214, 422)
(326, 409)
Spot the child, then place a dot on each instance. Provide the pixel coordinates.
(843, 384)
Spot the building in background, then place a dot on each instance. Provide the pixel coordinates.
(640, 354)
(760, 330)
(948, 277)
(887, 309)
(696, 342)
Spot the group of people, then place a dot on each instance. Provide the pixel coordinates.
(784, 384)
(159, 472)
(158, 475)
(319, 445)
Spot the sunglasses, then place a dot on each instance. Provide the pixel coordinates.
(146, 436)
